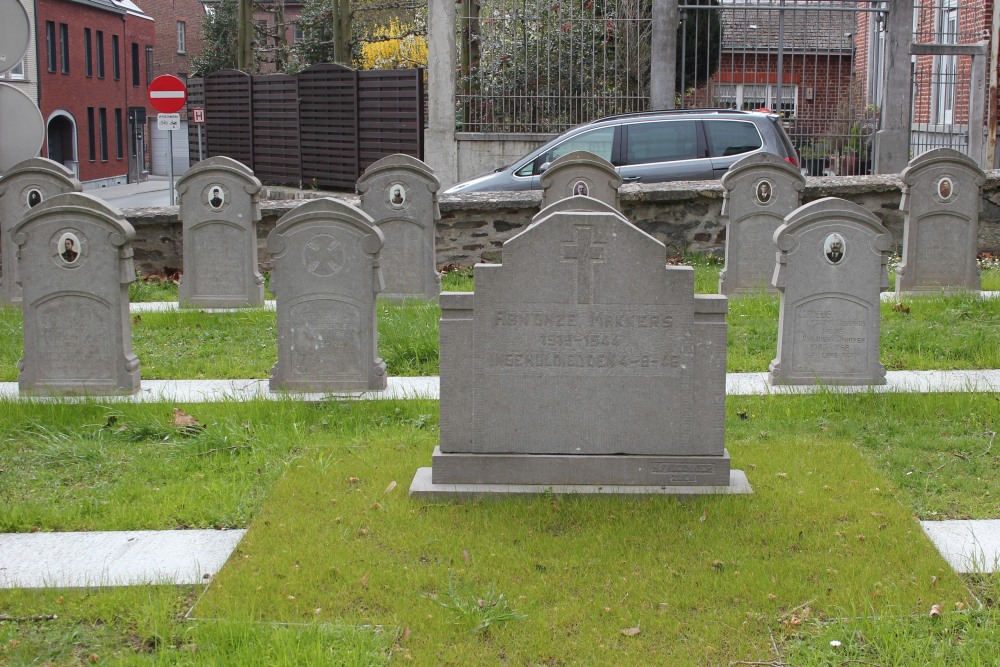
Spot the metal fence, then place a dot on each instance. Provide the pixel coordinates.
(322, 127)
(546, 65)
(815, 62)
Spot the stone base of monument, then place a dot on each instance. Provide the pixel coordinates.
(467, 474)
(423, 487)
(777, 376)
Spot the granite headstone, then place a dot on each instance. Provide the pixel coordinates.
(830, 270)
(582, 363)
(581, 173)
(760, 190)
(326, 276)
(219, 216)
(399, 192)
(75, 266)
(941, 201)
(25, 186)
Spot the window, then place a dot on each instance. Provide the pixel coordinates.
(662, 141)
(751, 96)
(135, 64)
(92, 148)
(118, 134)
(88, 54)
(103, 117)
(100, 54)
(149, 64)
(181, 37)
(64, 46)
(299, 34)
(730, 137)
(50, 44)
(17, 71)
(598, 142)
(945, 71)
(116, 67)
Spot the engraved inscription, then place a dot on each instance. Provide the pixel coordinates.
(63, 353)
(326, 340)
(219, 260)
(941, 253)
(323, 255)
(831, 336)
(402, 258)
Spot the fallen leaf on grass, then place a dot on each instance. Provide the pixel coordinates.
(935, 611)
(902, 309)
(183, 420)
(631, 632)
(392, 485)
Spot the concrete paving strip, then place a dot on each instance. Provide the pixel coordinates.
(892, 296)
(968, 546)
(120, 558)
(737, 384)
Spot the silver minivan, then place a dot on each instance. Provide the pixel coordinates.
(652, 147)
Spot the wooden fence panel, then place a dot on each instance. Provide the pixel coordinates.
(391, 112)
(276, 129)
(196, 98)
(228, 113)
(328, 126)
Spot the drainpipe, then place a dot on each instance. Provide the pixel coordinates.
(991, 108)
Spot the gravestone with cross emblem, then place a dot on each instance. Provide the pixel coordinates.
(75, 267)
(326, 276)
(582, 363)
(581, 173)
(219, 216)
(941, 201)
(760, 190)
(399, 192)
(830, 270)
(25, 186)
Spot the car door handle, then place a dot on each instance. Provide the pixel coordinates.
(630, 179)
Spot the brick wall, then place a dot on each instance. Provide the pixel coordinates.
(167, 59)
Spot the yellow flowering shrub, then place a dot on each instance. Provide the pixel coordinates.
(390, 51)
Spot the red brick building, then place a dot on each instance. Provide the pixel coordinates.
(95, 64)
(178, 35)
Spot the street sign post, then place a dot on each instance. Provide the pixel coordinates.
(168, 121)
(167, 94)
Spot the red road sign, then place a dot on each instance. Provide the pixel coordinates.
(167, 93)
(199, 115)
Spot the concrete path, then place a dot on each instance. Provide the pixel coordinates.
(968, 546)
(737, 384)
(122, 558)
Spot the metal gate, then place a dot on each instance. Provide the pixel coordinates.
(815, 62)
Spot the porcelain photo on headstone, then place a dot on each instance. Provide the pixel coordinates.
(219, 215)
(326, 277)
(582, 360)
(759, 191)
(76, 266)
(831, 268)
(23, 188)
(942, 197)
(399, 192)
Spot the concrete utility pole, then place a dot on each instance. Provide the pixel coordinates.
(244, 55)
(663, 56)
(893, 139)
(439, 137)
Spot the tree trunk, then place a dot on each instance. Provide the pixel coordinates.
(244, 57)
(342, 32)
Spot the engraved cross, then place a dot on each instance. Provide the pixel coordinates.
(586, 252)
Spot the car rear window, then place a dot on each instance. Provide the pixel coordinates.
(663, 141)
(732, 137)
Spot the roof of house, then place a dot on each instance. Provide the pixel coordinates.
(809, 25)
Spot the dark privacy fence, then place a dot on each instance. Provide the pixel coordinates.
(321, 127)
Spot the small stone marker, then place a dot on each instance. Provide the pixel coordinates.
(581, 173)
(219, 215)
(399, 192)
(583, 364)
(941, 200)
(25, 186)
(326, 276)
(760, 190)
(831, 267)
(75, 267)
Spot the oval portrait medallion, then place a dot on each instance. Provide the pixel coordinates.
(764, 192)
(833, 248)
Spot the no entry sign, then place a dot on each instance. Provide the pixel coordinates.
(167, 93)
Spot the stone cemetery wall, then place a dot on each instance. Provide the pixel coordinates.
(474, 226)
(76, 265)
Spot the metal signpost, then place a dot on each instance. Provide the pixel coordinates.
(167, 94)
(199, 120)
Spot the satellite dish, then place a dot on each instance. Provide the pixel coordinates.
(22, 128)
(15, 31)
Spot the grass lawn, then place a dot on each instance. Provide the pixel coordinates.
(341, 567)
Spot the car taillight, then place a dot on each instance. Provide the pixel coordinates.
(792, 160)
